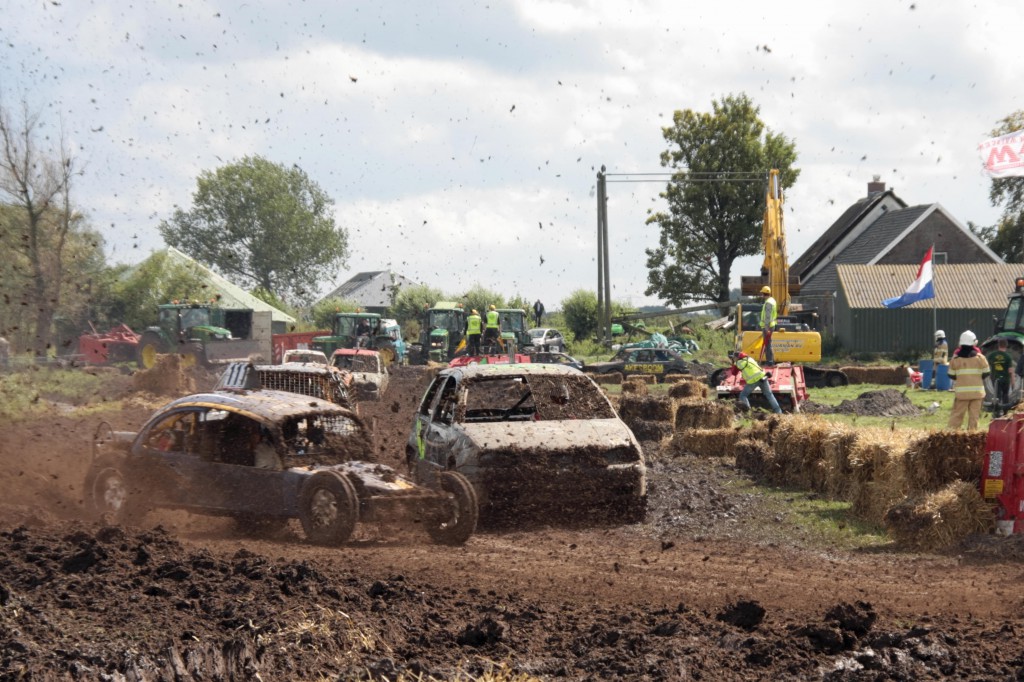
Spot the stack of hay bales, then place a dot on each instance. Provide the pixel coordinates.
(876, 471)
(941, 502)
(635, 386)
(810, 452)
(688, 388)
(893, 376)
(648, 417)
(607, 378)
(703, 427)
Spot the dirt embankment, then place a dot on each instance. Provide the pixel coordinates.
(697, 591)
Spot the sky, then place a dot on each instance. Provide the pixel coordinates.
(460, 140)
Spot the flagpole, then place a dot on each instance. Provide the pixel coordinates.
(935, 298)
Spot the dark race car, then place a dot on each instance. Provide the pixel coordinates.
(656, 362)
(263, 457)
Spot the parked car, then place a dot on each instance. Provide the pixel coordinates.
(315, 380)
(651, 361)
(557, 359)
(369, 376)
(530, 438)
(305, 357)
(547, 339)
(262, 458)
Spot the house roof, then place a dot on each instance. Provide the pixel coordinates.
(231, 295)
(370, 289)
(850, 218)
(966, 286)
(867, 245)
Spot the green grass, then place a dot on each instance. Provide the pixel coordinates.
(27, 394)
(921, 399)
(809, 519)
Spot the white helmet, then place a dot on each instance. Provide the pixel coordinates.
(968, 338)
(939, 334)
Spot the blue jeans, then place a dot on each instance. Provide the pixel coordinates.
(766, 391)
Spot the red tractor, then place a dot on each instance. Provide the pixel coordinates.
(1002, 472)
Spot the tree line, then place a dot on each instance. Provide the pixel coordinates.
(271, 229)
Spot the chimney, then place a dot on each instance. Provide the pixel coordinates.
(876, 186)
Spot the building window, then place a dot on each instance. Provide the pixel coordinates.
(940, 258)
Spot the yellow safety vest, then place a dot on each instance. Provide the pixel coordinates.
(492, 319)
(775, 312)
(750, 370)
(473, 324)
(968, 372)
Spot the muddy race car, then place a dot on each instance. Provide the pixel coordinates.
(531, 438)
(369, 375)
(264, 457)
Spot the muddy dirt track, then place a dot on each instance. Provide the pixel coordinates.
(706, 588)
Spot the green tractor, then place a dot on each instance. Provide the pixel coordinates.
(203, 334)
(442, 330)
(515, 326)
(357, 330)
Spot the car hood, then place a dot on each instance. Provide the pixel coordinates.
(550, 435)
(367, 378)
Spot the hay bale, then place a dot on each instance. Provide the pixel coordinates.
(753, 456)
(648, 430)
(633, 386)
(675, 377)
(941, 518)
(764, 429)
(703, 442)
(695, 413)
(688, 388)
(647, 407)
(895, 376)
(942, 457)
(800, 447)
(644, 378)
(607, 378)
(837, 448)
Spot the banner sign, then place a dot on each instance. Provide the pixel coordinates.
(1004, 156)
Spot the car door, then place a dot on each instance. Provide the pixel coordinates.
(416, 450)
(439, 433)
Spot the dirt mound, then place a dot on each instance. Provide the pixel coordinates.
(889, 402)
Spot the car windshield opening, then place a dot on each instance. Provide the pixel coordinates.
(537, 397)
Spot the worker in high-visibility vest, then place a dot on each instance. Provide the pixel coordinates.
(474, 325)
(753, 377)
(492, 329)
(769, 314)
(969, 367)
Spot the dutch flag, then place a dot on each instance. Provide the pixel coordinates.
(920, 289)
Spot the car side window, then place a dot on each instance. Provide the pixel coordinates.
(645, 356)
(174, 433)
(428, 397)
(662, 356)
(445, 412)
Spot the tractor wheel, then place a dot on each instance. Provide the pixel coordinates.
(193, 355)
(461, 513)
(150, 345)
(328, 508)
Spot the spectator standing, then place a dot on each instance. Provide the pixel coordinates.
(492, 329)
(1001, 364)
(969, 368)
(538, 312)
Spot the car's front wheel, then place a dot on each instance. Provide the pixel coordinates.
(462, 511)
(107, 495)
(328, 508)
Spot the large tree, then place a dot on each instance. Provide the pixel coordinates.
(262, 225)
(37, 171)
(1006, 237)
(716, 198)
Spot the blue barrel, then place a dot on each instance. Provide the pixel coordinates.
(925, 368)
(942, 380)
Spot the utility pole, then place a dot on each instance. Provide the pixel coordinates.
(604, 304)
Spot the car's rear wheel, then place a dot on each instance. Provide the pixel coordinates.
(328, 508)
(463, 511)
